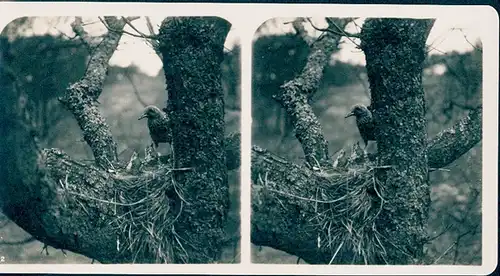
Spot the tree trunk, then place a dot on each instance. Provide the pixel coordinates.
(395, 50)
(192, 50)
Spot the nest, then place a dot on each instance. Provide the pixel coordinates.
(342, 209)
(351, 205)
(353, 201)
(146, 203)
(149, 203)
(148, 206)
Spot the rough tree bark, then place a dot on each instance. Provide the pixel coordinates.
(35, 193)
(452, 143)
(395, 50)
(285, 195)
(81, 97)
(294, 96)
(69, 204)
(192, 50)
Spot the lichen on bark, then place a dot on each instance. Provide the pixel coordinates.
(81, 97)
(294, 97)
(395, 51)
(192, 50)
(451, 143)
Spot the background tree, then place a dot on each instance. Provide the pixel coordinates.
(115, 209)
(351, 209)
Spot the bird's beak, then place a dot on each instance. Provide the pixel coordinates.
(143, 116)
(349, 115)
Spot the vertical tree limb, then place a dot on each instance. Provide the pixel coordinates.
(294, 94)
(192, 50)
(81, 97)
(395, 50)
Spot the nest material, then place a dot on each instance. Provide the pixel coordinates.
(149, 205)
(348, 217)
(146, 204)
(343, 212)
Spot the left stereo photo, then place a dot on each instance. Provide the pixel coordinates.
(120, 140)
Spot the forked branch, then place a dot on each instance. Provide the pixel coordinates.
(294, 95)
(81, 97)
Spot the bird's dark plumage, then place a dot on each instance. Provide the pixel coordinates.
(364, 121)
(158, 125)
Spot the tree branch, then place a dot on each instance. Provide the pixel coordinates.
(77, 27)
(294, 94)
(81, 97)
(395, 51)
(341, 30)
(33, 195)
(278, 220)
(154, 42)
(451, 143)
(127, 20)
(312, 214)
(335, 29)
(301, 31)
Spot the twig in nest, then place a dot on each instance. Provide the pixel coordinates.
(307, 199)
(336, 252)
(107, 201)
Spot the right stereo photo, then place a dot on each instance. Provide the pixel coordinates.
(366, 138)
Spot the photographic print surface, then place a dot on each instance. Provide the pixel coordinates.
(335, 139)
(121, 140)
(373, 129)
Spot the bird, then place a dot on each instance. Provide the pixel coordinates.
(158, 125)
(364, 121)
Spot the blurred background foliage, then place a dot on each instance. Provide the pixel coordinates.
(452, 83)
(42, 67)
